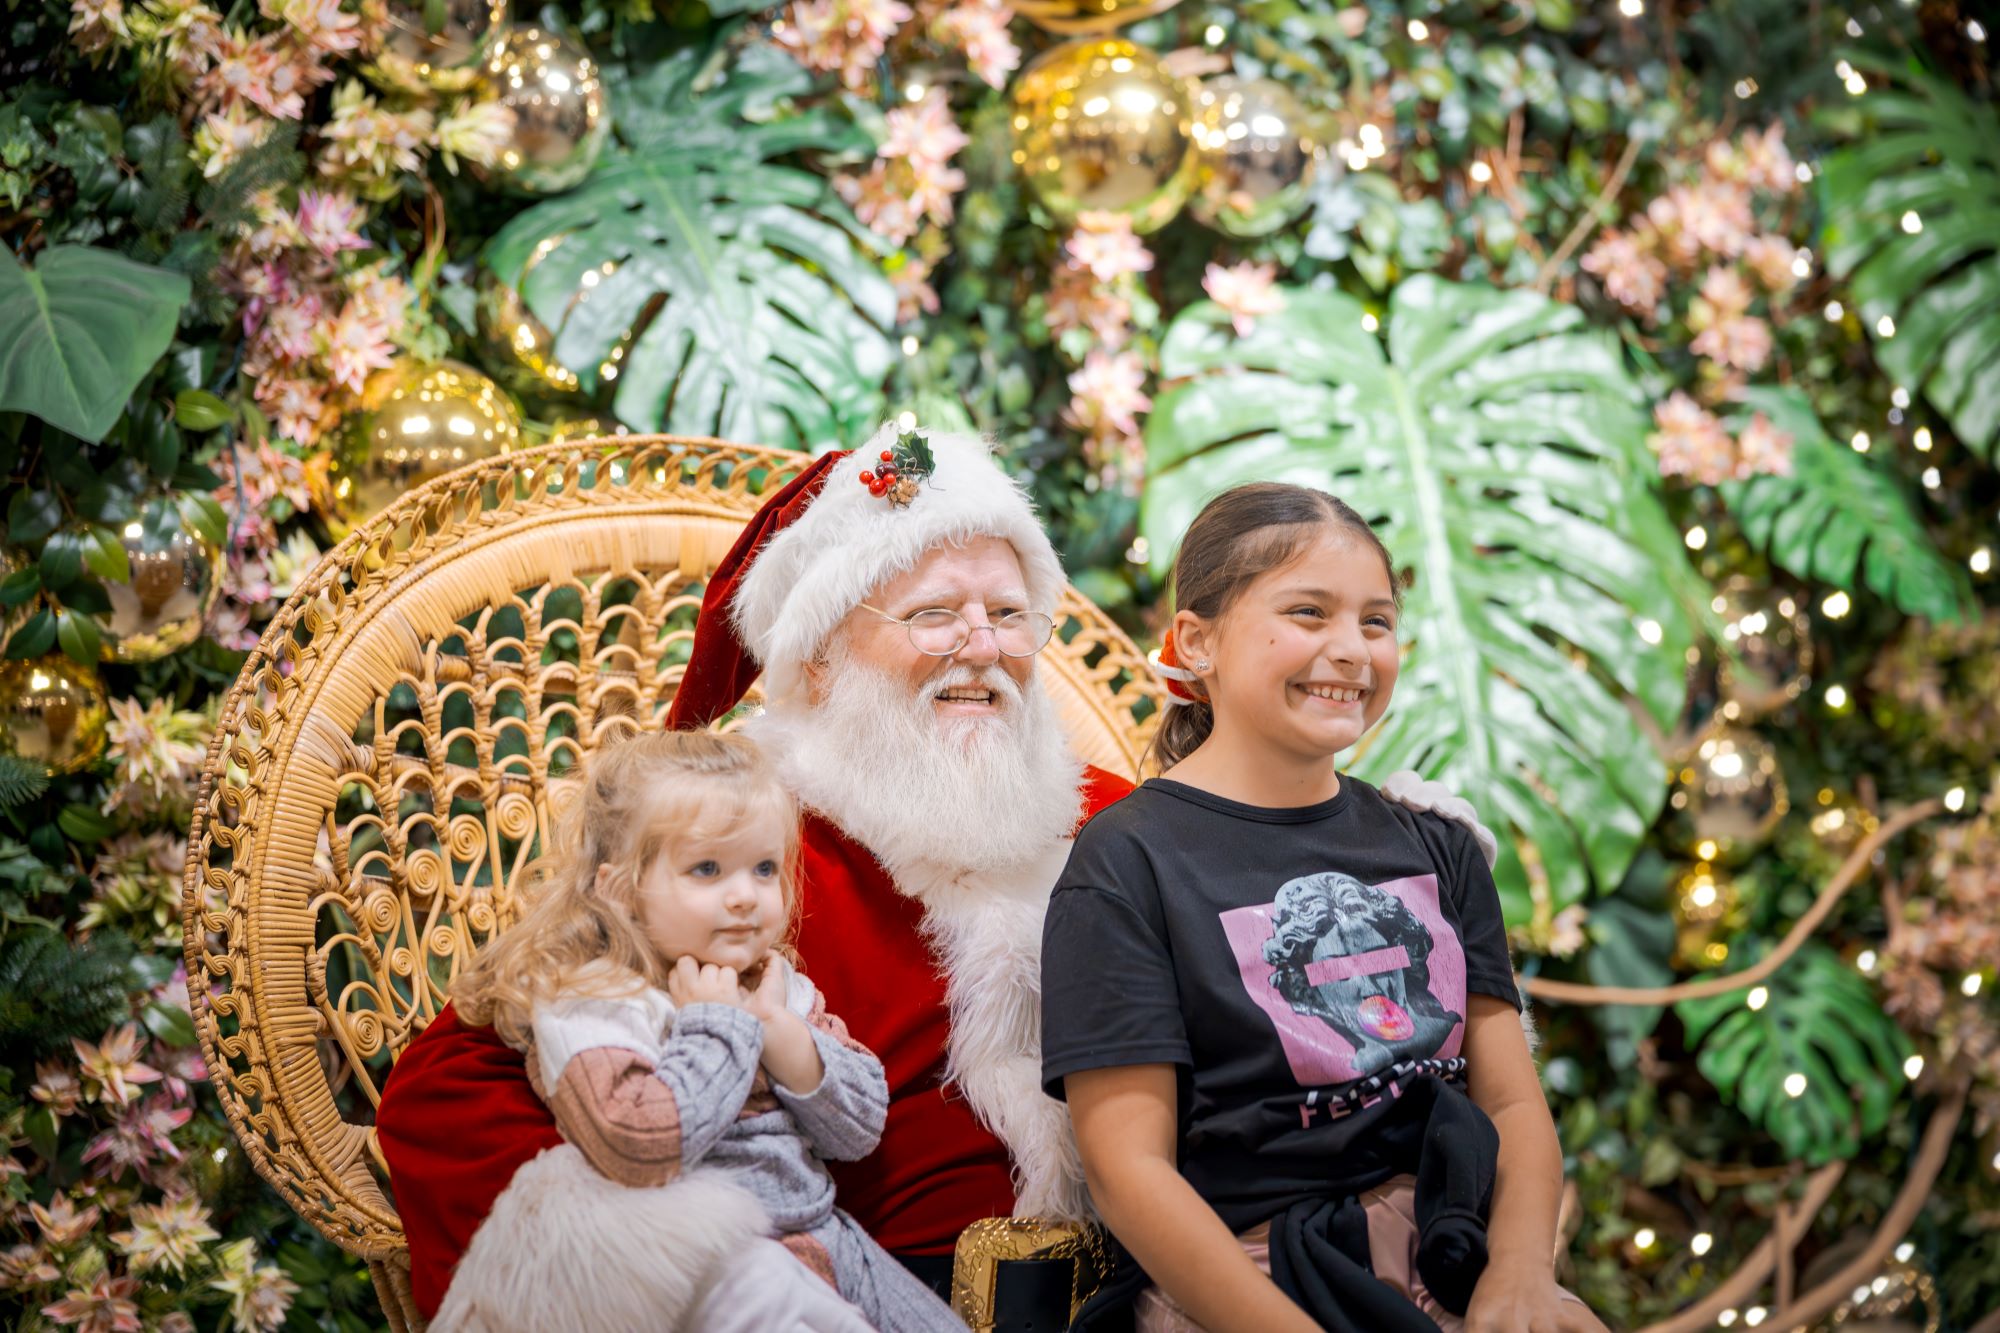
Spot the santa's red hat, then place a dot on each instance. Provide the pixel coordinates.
(823, 543)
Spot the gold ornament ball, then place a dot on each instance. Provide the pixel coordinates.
(436, 51)
(418, 422)
(522, 346)
(551, 85)
(1771, 636)
(1727, 798)
(1705, 901)
(1839, 824)
(1254, 156)
(1073, 18)
(1100, 125)
(176, 577)
(52, 712)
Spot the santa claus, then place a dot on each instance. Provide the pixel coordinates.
(895, 622)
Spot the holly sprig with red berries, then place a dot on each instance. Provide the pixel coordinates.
(900, 468)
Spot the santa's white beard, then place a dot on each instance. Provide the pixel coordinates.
(916, 788)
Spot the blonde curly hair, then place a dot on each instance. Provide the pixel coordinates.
(642, 798)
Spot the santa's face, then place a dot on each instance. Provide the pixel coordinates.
(719, 898)
(982, 581)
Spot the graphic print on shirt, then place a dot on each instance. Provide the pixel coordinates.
(1355, 977)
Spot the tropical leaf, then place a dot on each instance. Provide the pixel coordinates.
(1841, 517)
(759, 304)
(1500, 449)
(79, 331)
(1819, 1020)
(1913, 222)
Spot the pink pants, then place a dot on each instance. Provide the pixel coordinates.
(1392, 1249)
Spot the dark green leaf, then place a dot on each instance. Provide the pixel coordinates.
(199, 410)
(205, 516)
(84, 823)
(32, 515)
(79, 637)
(88, 596)
(190, 367)
(37, 635)
(170, 1023)
(104, 554)
(78, 332)
(21, 585)
(42, 1131)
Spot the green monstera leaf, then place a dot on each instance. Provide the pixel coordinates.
(1499, 448)
(739, 295)
(1840, 517)
(1913, 223)
(79, 331)
(1816, 1063)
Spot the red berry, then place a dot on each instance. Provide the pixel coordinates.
(867, 478)
(878, 487)
(888, 455)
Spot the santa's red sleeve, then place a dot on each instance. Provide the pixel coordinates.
(458, 1118)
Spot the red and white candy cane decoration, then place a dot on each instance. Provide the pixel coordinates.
(1166, 664)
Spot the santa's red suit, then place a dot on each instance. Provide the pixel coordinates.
(897, 959)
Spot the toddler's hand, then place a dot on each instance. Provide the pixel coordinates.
(767, 1002)
(702, 983)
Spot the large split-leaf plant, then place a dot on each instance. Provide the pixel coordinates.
(1499, 448)
(1913, 223)
(760, 305)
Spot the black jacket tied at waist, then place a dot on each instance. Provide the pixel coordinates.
(1319, 1241)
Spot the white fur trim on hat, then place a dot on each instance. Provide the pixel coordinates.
(849, 542)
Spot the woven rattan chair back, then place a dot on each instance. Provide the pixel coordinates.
(384, 768)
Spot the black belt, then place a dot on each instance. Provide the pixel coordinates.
(1029, 1295)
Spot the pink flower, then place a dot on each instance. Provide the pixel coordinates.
(1247, 291)
(62, 1222)
(1762, 447)
(382, 296)
(112, 1069)
(925, 132)
(97, 25)
(357, 343)
(879, 203)
(56, 1088)
(171, 1234)
(1771, 259)
(330, 222)
(1691, 442)
(141, 1136)
(321, 24)
(105, 1307)
(1740, 341)
(223, 138)
(1632, 275)
(27, 1266)
(296, 406)
(1767, 164)
(843, 36)
(979, 28)
(1110, 392)
(914, 293)
(1075, 301)
(1724, 295)
(260, 72)
(1117, 460)
(1105, 244)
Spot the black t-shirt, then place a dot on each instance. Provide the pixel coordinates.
(1300, 966)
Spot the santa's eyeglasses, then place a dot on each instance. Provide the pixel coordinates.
(937, 632)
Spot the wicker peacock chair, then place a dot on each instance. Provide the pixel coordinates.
(383, 770)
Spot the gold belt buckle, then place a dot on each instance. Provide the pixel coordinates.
(975, 1266)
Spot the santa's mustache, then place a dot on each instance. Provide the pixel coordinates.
(1005, 690)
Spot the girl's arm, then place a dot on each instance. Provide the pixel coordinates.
(643, 1108)
(1126, 1129)
(1518, 1292)
(833, 1085)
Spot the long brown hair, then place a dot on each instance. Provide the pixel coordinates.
(1237, 538)
(642, 798)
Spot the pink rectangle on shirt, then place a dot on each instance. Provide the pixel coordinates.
(1392, 959)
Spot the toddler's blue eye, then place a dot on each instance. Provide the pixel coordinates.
(704, 869)
(767, 868)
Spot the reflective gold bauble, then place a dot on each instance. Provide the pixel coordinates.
(1727, 798)
(1704, 902)
(1770, 635)
(418, 421)
(1902, 1298)
(1254, 154)
(521, 347)
(176, 577)
(1101, 125)
(52, 712)
(551, 85)
(1074, 18)
(436, 47)
(1839, 823)
(584, 428)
